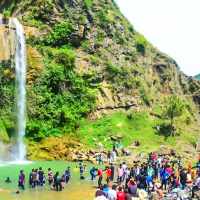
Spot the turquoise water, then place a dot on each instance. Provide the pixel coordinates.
(76, 189)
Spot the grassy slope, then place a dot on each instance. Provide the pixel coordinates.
(141, 127)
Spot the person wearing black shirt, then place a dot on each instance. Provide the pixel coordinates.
(41, 176)
(183, 177)
(109, 157)
(132, 173)
(112, 172)
(142, 182)
(55, 177)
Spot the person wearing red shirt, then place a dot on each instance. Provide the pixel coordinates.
(108, 174)
(120, 195)
(100, 177)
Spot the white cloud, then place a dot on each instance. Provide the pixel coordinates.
(171, 25)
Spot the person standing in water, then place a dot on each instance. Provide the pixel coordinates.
(81, 168)
(30, 177)
(34, 179)
(55, 177)
(92, 173)
(41, 176)
(50, 174)
(22, 179)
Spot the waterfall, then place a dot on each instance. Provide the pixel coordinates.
(20, 88)
(13, 48)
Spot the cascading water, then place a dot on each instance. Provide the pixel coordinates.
(20, 87)
(13, 48)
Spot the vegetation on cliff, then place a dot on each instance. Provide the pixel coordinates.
(88, 72)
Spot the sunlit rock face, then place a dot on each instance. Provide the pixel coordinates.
(6, 40)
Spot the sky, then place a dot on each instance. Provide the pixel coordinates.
(173, 26)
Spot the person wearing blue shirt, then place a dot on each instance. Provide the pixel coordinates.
(149, 180)
(67, 175)
(100, 159)
(156, 171)
(92, 173)
(164, 175)
(105, 189)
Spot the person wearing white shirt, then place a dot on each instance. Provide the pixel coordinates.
(112, 194)
(160, 160)
(114, 155)
(124, 166)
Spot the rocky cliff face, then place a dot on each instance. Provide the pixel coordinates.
(85, 60)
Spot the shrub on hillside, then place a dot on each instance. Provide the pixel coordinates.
(141, 44)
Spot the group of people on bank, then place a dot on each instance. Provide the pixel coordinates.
(158, 176)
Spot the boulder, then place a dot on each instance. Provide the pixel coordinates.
(31, 32)
(91, 151)
(94, 139)
(113, 138)
(77, 36)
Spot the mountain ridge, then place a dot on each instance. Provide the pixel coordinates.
(197, 76)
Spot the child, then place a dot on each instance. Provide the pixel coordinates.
(44, 180)
(84, 168)
(76, 169)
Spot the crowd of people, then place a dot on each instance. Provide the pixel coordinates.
(158, 176)
(58, 181)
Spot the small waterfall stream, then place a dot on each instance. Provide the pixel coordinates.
(15, 37)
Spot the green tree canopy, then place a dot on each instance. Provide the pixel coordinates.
(174, 108)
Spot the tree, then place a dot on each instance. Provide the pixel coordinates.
(174, 108)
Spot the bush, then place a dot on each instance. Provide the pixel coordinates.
(141, 44)
(66, 57)
(60, 33)
(113, 69)
(145, 97)
(85, 44)
(103, 19)
(87, 4)
(131, 27)
(6, 13)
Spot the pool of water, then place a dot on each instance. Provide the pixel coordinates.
(76, 189)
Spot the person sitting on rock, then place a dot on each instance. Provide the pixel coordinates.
(123, 151)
